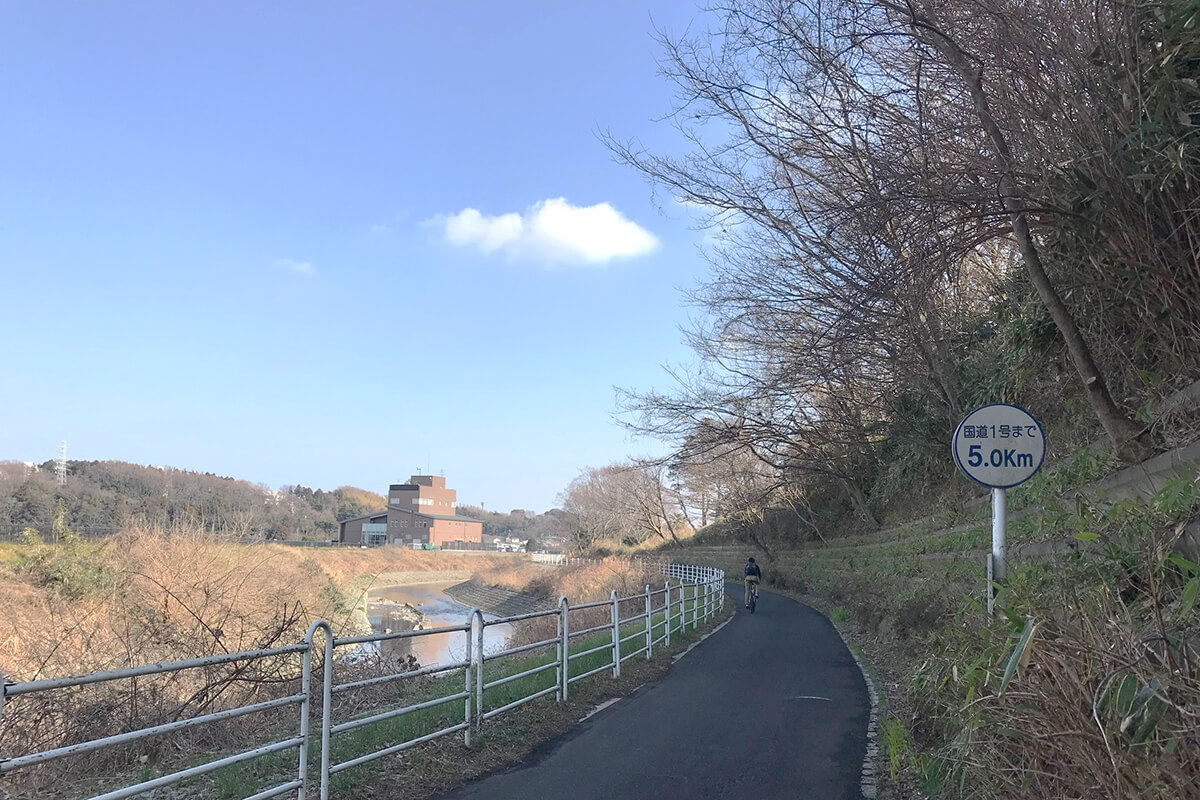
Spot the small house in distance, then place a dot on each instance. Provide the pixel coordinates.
(420, 513)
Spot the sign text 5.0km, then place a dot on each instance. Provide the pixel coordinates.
(999, 457)
(999, 445)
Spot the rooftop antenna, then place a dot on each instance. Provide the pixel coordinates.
(60, 465)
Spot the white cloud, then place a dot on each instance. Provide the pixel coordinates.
(552, 230)
(291, 265)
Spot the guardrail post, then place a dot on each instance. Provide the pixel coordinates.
(649, 626)
(682, 592)
(467, 688)
(667, 612)
(563, 671)
(683, 612)
(616, 634)
(305, 709)
(326, 709)
(480, 659)
(695, 606)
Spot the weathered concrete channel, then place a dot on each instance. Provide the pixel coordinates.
(495, 600)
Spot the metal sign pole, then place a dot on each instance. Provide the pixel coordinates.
(991, 592)
(999, 534)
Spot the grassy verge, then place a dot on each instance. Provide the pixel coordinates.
(1085, 684)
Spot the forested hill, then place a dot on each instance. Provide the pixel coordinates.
(541, 530)
(101, 497)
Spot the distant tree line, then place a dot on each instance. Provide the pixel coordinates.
(101, 497)
(544, 531)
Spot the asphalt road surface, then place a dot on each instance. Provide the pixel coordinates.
(772, 705)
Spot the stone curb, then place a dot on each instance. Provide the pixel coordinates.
(868, 784)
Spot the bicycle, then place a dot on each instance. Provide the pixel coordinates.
(753, 596)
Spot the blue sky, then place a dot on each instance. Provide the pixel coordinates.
(332, 244)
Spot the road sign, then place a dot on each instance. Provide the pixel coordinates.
(999, 445)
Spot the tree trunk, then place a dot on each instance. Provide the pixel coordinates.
(859, 498)
(1122, 430)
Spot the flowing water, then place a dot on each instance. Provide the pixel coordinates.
(439, 610)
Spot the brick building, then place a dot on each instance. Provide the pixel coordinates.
(420, 512)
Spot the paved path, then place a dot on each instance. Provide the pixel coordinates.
(771, 706)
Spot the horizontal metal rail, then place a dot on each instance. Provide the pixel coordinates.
(278, 790)
(605, 627)
(522, 701)
(10, 764)
(396, 712)
(385, 637)
(518, 617)
(627, 656)
(525, 648)
(589, 673)
(25, 687)
(597, 604)
(519, 675)
(680, 609)
(387, 751)
(416, 673)
(194, 772)
(605, 646)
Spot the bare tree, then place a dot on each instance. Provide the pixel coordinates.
(857, 161)
(931, 28)
(624, 503)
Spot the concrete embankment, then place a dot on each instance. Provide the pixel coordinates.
(414, 578)
(494, 600)
(358, 589)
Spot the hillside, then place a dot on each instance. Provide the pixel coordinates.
(103, 497)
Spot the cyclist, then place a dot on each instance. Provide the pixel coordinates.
(753, 574)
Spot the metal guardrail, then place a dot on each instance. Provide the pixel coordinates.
(689, 597)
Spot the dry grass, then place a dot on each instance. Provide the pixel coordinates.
(343, 564)
(149, 596)
(579, 582)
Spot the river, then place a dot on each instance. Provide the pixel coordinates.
(439, 610)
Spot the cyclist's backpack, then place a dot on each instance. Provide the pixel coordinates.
(752, 569)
